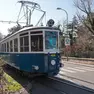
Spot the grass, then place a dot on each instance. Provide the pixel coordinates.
(10, 85)
(1, 62)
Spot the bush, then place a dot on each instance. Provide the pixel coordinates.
(1, 72)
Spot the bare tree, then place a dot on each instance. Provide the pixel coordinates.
(14, 28)
(84, 39)
(86, 6)
(74, 20)
(1, 36)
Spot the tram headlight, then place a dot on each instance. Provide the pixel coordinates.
(53, 62)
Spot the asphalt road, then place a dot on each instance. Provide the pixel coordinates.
(78, 73)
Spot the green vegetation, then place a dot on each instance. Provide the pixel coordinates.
(12, 85)
(7, 83)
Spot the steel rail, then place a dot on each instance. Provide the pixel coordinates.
(64, 86)
(76, 89)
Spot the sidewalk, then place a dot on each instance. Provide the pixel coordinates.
(83, 64)
(75, 58)
(82, 61)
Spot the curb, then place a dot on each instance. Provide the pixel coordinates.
(83, 59)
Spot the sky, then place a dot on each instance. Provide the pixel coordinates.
(9, 10)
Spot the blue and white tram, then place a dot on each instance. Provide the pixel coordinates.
(33, 50)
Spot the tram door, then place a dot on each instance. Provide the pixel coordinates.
(51, 45)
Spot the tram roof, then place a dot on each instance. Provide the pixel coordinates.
(28, 28)
(33, 28)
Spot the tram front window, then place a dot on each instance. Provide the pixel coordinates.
(37, 43)
(51, 40)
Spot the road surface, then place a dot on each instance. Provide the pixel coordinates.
(78, 73)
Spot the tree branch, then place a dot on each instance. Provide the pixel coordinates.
(89, 28)
(85, 6)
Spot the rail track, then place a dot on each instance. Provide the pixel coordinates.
(64, 86)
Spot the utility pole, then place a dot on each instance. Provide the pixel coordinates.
(66, 27)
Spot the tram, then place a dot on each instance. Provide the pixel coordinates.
(34, 50)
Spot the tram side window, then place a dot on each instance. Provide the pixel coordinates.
(11, 46)
(36, 43)
(16, 45)
(0, 47)
(4, 47)
(7, 47)
(24, 44)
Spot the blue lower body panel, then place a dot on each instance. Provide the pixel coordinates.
(26, 61)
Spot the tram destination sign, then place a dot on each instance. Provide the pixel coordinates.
(67, 41)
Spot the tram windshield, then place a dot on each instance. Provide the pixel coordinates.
(51, 40)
